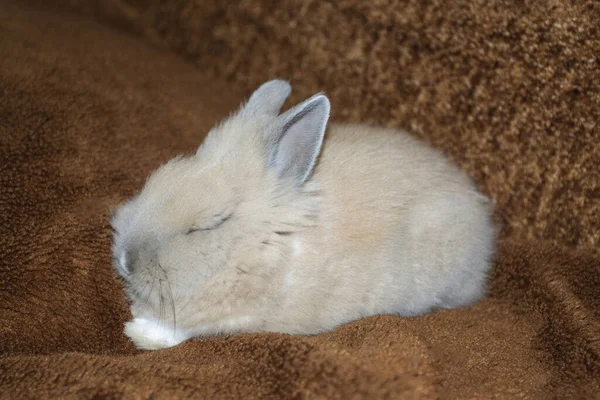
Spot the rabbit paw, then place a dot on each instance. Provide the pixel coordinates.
(150, 334)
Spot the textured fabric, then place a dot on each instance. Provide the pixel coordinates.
(510, 89)
(86, 112)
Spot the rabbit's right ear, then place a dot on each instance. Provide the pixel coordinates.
(267, 99)
(296, 140)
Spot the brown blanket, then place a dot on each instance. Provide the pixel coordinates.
(86, 112)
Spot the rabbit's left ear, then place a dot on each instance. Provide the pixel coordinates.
(267, 99)
(296, 141)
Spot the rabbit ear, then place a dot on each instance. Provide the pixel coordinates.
(298, 138)
(268, 98)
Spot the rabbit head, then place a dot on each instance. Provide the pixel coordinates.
(200, 220)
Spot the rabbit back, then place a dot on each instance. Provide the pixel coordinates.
(401, 230)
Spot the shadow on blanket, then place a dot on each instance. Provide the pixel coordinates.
(86, 113)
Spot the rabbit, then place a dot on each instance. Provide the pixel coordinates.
(270, 228)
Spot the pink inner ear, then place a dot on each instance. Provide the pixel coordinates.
(301, 139)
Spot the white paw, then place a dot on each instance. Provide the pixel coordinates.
(149, 334)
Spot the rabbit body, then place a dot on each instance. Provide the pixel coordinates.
(254, 233)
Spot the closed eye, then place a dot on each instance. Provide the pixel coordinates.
(216, 221)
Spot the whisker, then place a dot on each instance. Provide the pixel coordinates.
(170, 294)
(161, 309)
(146, 300)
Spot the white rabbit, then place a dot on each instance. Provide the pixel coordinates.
(269, 228)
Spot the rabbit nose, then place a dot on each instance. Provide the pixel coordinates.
(141, 255)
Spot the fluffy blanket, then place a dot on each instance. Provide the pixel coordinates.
(510, 91)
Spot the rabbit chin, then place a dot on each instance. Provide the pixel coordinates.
(150, 334)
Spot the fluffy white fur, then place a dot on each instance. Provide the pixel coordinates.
(153, 334)
(269, 228)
